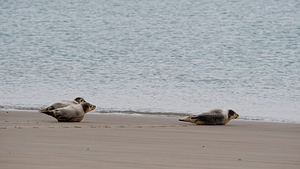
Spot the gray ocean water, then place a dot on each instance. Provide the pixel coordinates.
(158, 56)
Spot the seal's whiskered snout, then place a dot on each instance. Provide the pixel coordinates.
(92, 107)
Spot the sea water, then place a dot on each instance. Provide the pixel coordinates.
(158, 56)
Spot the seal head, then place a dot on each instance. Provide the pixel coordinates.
(79, 100)
(87, 107)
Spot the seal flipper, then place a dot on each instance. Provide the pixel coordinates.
(53, 107)
(48, 112)
(63, 119)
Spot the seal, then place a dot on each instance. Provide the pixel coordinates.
(213, 117)
(71, 113)
(63, 103)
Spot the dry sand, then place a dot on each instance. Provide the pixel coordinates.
(33, 140)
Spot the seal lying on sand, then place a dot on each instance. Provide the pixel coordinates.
(71, 113)
(63, 103)
(213, 117)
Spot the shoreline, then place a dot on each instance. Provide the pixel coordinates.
(33, 140)
(153, 114)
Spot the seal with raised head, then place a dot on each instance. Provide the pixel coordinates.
(63, 103)
(71, 113)
(213, 117)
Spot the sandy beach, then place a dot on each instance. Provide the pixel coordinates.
(32, 140)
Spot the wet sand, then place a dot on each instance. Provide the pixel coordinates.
(33, 140)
